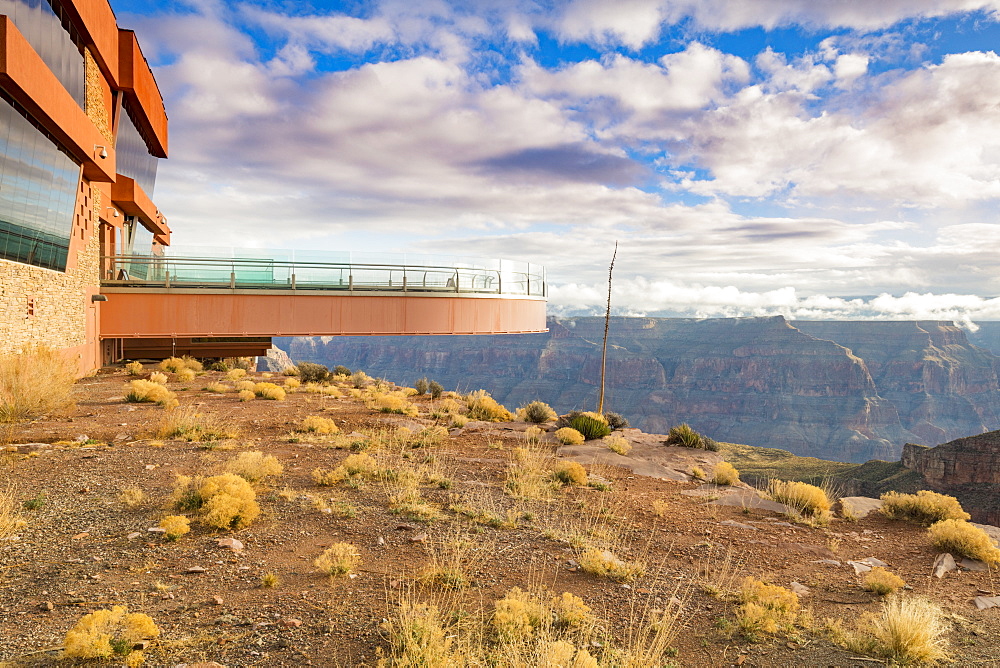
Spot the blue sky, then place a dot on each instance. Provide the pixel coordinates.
(836, 159)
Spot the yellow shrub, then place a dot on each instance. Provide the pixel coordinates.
(517, 615)
(418, 637)
(805, 498)
(158, 378)
(131, 496)
(907, 630)
(144, 391)
(393, 403)
(246, 395)
(618, 444)
(569, 436)
(766, 608)
(960, 537)
(570, 473)
(255, 466)
(217, 388)
(698, 473)
(241, 385)
(235, 374)
(175, 526)
(173, 364)
(359, 463)
(192, 364)
(481, 406)
(269, 391)
(328, 477)
(725, 474)
(925, 507)
(318, 425)
(882, 582)
(338, 559)
(185, 375)
(606, 564)
(292, 383)
(225, 501)
(104, 633)
(134, 368)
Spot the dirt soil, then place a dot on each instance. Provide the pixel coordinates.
(83, 548)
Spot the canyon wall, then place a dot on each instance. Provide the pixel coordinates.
(967, 468)
(847, 391)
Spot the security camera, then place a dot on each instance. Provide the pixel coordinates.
(104, 152)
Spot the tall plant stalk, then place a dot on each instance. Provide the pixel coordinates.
(607, 322)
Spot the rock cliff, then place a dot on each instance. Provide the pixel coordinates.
(968, 468)
(843, 391)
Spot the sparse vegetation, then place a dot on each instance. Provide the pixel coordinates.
(158, 378)
(33, 383)
(537, 412)
(924, 507)
(188, 424)
(341, 370)
(246, 395)
(131, 496)
(569, 436)
(292, 383)
(106, 633)
(907, 630)
(684, 436)
(145, 391)
(267, 390)
(765, 608)
(338, 559)
(725, 474)
(481, 406)
(134, 368)
(216, 387)
(616, 420)
(607, 564)
(618, 445)
(270, 579)
(235, 374)
(809, 500)
(175, 526)
(591, 425)
(436, 389)
(964, 539)
(318, 425)
(569, 473)
(421, 386)
(10, 516)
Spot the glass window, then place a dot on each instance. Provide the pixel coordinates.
(45, 25)
(38, 185)
(133, 157)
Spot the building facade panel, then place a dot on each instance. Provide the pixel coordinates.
(142, 93)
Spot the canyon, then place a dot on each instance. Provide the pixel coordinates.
(837, 390)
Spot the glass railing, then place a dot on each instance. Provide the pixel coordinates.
(303, 270)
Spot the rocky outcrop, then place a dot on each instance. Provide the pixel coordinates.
(276, 361)
(967, 468)
(842, 391)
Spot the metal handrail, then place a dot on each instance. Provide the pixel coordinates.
(268, 273)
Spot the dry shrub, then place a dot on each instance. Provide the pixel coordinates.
(359, 464)
(481, 406)
(408, 501)
(329, 477)
(529, 473)
(417, 637)
(158, 378)
(960, 537)
(569, 473)
(907, 630)
(241, 385)
(35, 382)
(224, 501)
(216, 387)
(925, 507)
(292, 383)
(538, 412)
(310, 372)
(429, 437)
(698, 473)
(569, 436)
(607, 564)
(453, 557)
(134, 368)
(145, 391)
(246, 395)
(725, 474)
(178, 364)
(810, 500)
(270, 579)
(338, 559)
(765, 608)
(10, 516)
(618, 444)
(186, 375)
(175, 526)
(255, 466)
(393, 403)
(882, 582)
(318, 425)
(533, 435)
(235, 374)
(188, 424)
(524, 615)
(131, 496)
(268, 391)
(105, 633)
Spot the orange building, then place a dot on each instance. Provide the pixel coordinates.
(84, 260)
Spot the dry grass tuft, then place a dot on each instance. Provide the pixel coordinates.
(318, 425)
(393, 403)
(10, 515)
(809, 500)
(529, 473)
(765, 608)
(269, 391)
(417, 637)
(255, 466)
(216, 387)
(607, 564)
(569, 436)
(338, 559)
(145, 391)
(481, 406)
(453, 557)
(882, 582)
(235, 374)
(105, 633)
(175, 526)
(270, 579)
(186, 375)
(538, 412)
(961, 538)
(33, 383)
(246, 395)
(569, 473)
(925, 507)
(907, 630)
(134, 368)
(188, 424)
(158, 378)
(725, 474)
(292, 383)
(618, 445)
(131, 496)
(178, 364)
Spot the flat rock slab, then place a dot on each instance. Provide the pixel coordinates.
(992, 531)
(944, 563)
(639, 462)
(858, 506)
(738, 525)
(749, 498)
(984, 602)
(973, 565)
